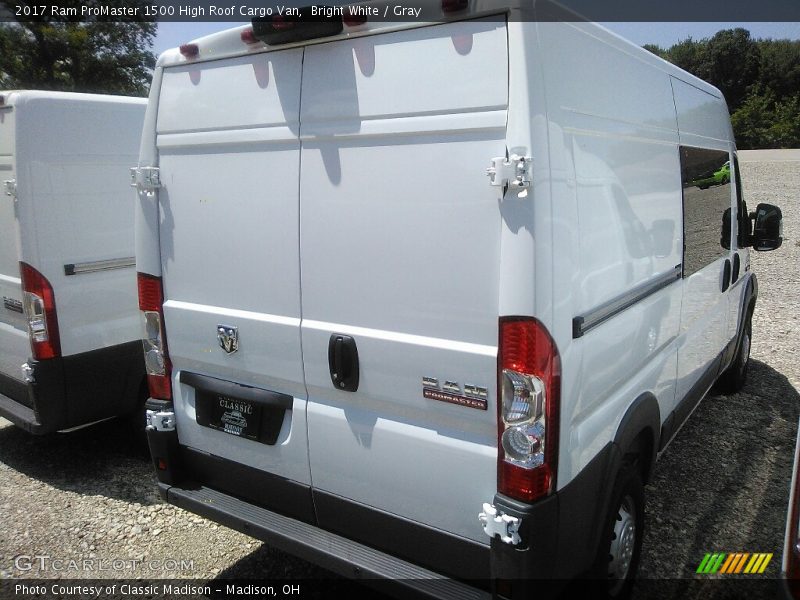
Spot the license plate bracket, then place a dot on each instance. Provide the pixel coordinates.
(243, 411)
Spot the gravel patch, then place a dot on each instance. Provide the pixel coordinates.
(722, 485)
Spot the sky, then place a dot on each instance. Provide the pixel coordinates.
(171, 35)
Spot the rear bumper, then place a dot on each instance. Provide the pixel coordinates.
(330, 551)
(75, 390)
(359, 542)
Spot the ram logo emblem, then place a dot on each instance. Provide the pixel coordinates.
(228, 338)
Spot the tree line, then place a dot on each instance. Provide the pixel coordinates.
(72, 54)
(760, 79)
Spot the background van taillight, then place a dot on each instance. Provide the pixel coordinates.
(792, 549)
(39, 305)
(156, 358)
(529, 386)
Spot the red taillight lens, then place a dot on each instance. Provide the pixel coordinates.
(156, 357)
(248, 37)
(39, 304)
(529, 387)
(281, 24)
(151, 296)
(190, 50)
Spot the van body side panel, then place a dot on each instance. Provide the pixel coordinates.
(229, 156)
(400, 250)
(620, 203)
(14, 344)
(704, 126)
(74, 198)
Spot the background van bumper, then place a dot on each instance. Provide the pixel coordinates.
(75, 390)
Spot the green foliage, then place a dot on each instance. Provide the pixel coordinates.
(760, 80)
(77, 54)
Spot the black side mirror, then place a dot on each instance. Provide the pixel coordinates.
(725, 236)
(768, 228)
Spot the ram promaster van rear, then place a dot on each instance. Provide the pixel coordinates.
(69, 327)
(428, 300)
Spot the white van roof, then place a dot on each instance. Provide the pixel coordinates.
(228, 43)
(18, 97)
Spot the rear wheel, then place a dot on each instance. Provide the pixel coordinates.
(734, 378)
(621, 543)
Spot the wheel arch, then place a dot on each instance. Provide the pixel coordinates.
(640, 429)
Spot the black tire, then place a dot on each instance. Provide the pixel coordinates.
(621, 540)
(735, 376)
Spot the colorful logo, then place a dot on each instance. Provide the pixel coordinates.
(730, 563)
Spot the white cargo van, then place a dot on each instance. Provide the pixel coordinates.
(69, 325)
(428, 300)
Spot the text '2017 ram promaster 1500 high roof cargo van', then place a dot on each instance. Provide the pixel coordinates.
(429, 300)
(70, 352)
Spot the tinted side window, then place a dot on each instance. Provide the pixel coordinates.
(706, 177)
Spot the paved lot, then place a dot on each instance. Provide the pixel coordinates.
(721, 486)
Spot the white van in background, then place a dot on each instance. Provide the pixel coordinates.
(69, 329)
(429, 299)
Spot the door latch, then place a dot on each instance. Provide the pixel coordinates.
(10, 187)
(515, 171)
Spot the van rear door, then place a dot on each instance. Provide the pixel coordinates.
(400, 251)
(14, 345)
(229, 154)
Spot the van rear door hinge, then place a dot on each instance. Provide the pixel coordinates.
(10, 187)
(159, 420)
(495, 523)
(145, 179)
(515, 171)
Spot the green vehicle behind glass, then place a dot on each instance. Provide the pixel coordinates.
(719, 177)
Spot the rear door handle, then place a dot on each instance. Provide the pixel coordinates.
(726, 274)
(343, 362)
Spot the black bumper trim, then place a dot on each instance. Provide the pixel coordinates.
(560, 534)
(252, 485)
(15, 389)
(19, 414)
(329, 550)
(427, 547)
(76, 390)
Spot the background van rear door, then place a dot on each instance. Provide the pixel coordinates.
(14, 344)
(400, 251)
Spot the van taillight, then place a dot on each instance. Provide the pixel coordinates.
(156, 357)
(792, 550)
(189, 50)
(39, 305)
(248, 37)
(529, 386)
